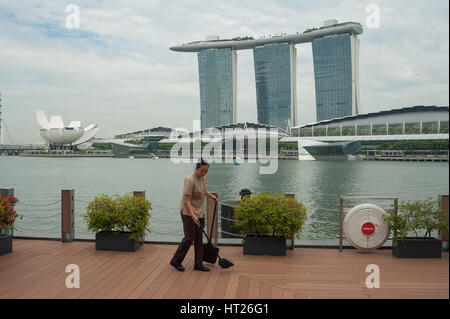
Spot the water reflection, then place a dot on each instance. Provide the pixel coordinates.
(328, 182)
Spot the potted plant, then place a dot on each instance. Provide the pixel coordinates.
(8, 216)
(413, 227)
(120, 222)
(267, 220)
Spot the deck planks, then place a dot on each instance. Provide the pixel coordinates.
(36, 269)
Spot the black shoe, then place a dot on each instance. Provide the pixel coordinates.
(202, 269)
(177, 267)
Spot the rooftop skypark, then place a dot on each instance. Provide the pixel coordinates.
(309, 35)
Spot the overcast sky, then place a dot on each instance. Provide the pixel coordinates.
(116, 69)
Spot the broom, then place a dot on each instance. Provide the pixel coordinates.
(210, 253)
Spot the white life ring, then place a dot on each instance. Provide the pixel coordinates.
(364, 226)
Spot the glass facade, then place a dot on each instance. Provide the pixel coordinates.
(430, 127)
(216, 68)
(443, 127)
(412, 128)
(333, 76)
(273, 83)
(404, 128)
(334, 151)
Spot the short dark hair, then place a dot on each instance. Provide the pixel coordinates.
(201, 162)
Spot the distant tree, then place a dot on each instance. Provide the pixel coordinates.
(99, 146)
(136, 142)
(415, 145)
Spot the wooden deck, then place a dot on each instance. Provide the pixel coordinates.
(37, 269)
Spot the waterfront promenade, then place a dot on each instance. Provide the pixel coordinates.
(37, 269)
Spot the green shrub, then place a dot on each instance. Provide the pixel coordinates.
(288, 145)
(270, 214)
(414, 145)
(320, 132)
(306, 132)
(119, 213)
(99, 146)
(136, 142)
(346, 131)
(414, 217)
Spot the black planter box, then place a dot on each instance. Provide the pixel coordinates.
(417, 248)
(115, 241)
(6, 244)
(264, 245)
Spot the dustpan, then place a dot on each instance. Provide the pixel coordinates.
(210, 253)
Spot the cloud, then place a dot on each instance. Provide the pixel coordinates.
(117, 70)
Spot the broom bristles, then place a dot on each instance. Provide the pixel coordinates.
(225, 263)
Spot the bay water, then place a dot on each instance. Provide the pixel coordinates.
(38, 182)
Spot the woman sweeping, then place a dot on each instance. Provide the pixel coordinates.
(191, 208)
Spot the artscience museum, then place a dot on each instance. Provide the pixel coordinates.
(59, 136)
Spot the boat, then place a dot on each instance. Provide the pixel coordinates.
(357, 158)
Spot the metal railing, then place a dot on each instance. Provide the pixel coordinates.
(63, 216)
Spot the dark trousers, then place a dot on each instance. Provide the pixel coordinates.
(192, 233)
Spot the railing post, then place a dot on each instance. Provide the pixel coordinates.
(210, 204)
(139, 194)
(291, 195)
(341, 213)
(6, 192)
(67, 215)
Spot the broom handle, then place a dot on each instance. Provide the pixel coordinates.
(209, 240)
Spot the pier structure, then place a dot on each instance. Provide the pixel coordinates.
(339, 136)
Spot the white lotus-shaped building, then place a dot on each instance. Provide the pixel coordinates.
(56, 133)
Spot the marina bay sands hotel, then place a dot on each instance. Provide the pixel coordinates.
(336, 74)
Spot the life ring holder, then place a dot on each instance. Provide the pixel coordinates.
(343, 211)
